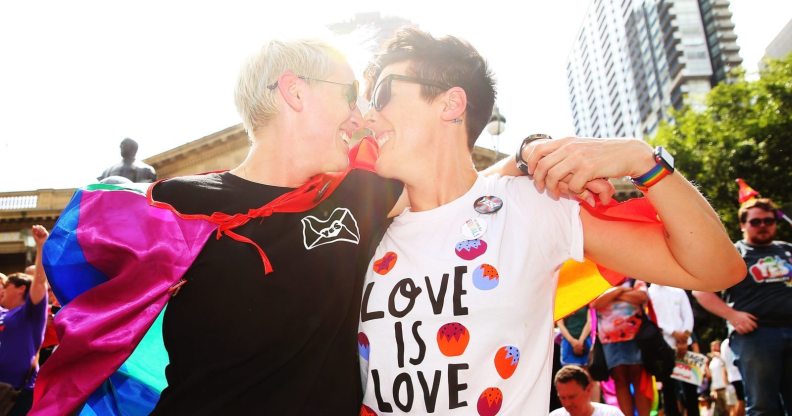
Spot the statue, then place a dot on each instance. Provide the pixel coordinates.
(129, 168)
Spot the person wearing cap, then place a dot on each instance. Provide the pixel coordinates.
(457, 311)
(758, 310)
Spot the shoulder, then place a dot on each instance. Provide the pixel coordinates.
(559, 412)
(783, 244)
(182, 192)
(34, 309)
(523, 189)
(602, 409)
(185, 185)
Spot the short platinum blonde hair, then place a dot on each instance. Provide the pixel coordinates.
(255, 102)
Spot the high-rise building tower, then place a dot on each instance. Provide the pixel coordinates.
(634, 60)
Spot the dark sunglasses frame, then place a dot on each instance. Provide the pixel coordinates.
(351, 92)
(381, 95)
(755, 222)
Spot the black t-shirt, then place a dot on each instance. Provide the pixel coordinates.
(766, 291)
(241, 342)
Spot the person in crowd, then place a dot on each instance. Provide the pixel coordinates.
(3, 281)
(718, 379)
(575, 343)
(675, 319)
(458, 299)
(758, 310)
(23, 315)
(50, 335)
(619, 312)
(735, 379)
(574, 390)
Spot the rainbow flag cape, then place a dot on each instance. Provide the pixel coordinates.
(111, 259)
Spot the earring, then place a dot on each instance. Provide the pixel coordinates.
(457, 121)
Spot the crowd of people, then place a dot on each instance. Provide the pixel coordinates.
(747, 371)
(396, 280)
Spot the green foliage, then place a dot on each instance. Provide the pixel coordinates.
(745, 131)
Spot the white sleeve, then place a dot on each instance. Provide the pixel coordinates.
(687, 314)
(560, 223)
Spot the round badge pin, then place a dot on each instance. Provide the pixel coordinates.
(473, 229)
(488, 204)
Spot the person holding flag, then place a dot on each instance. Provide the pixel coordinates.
(758, 309)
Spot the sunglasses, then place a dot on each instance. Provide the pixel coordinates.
(350, 92)
(382, 92)
(766, 221)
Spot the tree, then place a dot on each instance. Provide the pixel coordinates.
(745, 131)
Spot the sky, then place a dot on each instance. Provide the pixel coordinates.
(77, 77)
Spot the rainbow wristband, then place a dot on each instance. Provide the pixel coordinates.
(649, 179)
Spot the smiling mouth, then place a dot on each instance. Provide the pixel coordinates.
(344, 137)
(382, 139)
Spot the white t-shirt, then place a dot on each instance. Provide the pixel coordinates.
(718, 373)
(454, 326)
(600, 409)
(728, 357)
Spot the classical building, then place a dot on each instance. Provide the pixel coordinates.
(219, 151)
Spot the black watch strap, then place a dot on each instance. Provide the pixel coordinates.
(521, 164)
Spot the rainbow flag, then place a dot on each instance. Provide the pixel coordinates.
(581, 283)
(111, 260)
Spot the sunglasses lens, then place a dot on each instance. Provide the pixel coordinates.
(759, 221)
(381, 94)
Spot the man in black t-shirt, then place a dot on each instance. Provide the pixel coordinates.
(759, 310)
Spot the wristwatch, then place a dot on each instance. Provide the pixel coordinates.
(663, 168)
(522, 164)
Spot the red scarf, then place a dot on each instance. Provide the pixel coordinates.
(312, 193)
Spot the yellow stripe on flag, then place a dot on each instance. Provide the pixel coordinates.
(578, 284)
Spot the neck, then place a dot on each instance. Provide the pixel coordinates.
(442, 179)
(758, 243)
(274, 159)
(588, 411)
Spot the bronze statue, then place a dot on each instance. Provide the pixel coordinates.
(129, 168)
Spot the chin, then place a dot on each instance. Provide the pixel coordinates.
(382, 169)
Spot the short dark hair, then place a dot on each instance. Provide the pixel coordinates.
(445, 61)
(21, 279)
(575, 373)
(765, 204)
